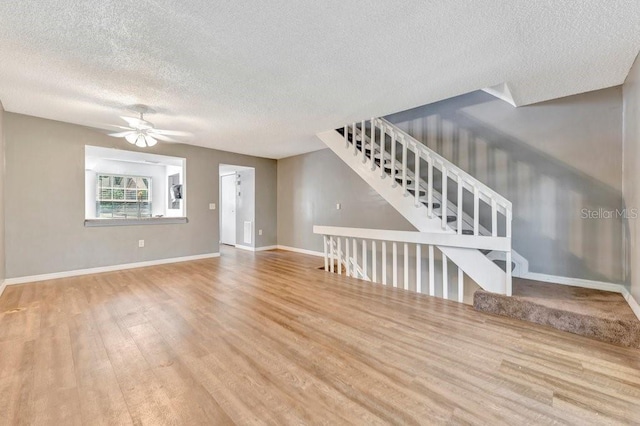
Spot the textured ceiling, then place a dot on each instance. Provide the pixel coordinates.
(263, 78)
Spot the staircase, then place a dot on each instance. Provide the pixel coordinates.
(460, 221)
(435, 196)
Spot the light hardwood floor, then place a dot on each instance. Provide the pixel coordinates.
(266, 338)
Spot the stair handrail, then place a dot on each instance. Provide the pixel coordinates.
(502, 244)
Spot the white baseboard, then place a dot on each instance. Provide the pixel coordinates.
(248, 248)
(266, 248)
(596, 285)
(98, 270)
(3, 285)
(575, 282)
(303, 251)
(633, 303)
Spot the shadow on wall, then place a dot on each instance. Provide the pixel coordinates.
(558, 162)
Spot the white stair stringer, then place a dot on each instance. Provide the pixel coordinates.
(477, 266)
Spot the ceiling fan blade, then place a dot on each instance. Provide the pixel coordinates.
(162, 137)
(137, 123)
(121, 134)
(115, 126)
(169, 132)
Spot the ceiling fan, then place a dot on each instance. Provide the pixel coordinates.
(141, 132)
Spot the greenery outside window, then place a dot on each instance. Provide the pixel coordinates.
(123, 197)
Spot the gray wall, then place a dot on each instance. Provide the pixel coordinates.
(2, 204)
(631, 178)
(552, 160)
(310, 186)
(44, 211)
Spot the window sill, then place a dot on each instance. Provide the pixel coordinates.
(94, 223)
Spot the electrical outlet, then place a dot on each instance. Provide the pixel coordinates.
(140, 243)
(212, 206)
(259, 231)
(338, 206)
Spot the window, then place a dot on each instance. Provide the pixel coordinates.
(123, 197)
(133, 188)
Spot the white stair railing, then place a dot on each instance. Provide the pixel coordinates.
(333, 252)
(412, 255)
(432, 193)
(374, 134)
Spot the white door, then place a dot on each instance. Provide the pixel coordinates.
(228, 209)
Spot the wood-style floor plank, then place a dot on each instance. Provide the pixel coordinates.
(267, 338)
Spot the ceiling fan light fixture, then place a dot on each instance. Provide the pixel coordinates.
(131, 138)
(150, 140)
(141, 142)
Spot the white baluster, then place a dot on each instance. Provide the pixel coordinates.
(383, 250)
(373, 145)
(445, 277)
(459, 218)
(395, 264)
(460, 285)
(406, 266)
(331, 257)
(444, 197)
(476, 211)
(374, 271)
(339, 253)
(418, 268)
(404, 165)
(364, 259)
(363, 134)
(417, 175)
(432, 279)
(393, 159)
(494, 218)
(346, 136)
(354, 139)
(354, 270)
(383, 143)
(347, 257)
(430, 186)
(326, 254)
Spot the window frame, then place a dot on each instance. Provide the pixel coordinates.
(124, 188)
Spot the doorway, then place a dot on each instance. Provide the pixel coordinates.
(228, 209)
(237, 206)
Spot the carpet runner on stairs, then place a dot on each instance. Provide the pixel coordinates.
(597, 314)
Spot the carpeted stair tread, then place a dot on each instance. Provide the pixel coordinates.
(449, 218)
(597, 314)
(426, 204)
(413, 191)
(501, 263)
(399, 180)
